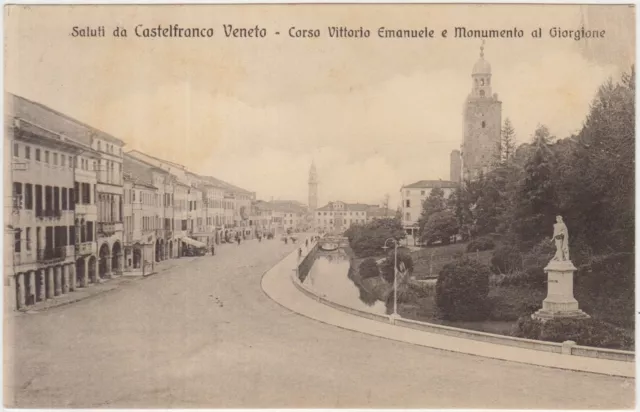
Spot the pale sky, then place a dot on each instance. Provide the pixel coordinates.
(373, 113)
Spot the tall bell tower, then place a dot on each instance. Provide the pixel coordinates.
(313, 188)
(482, 116)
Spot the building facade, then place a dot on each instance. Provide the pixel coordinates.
(414, 195)
(40, 215)
(336, 217)
(482, 116)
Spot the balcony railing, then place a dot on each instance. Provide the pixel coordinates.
(106, 228)
(49, 214)
(52, 254)
(85, 248)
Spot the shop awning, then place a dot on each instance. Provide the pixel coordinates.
(193, 242)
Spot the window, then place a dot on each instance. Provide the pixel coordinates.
(55, 159)
(28, 239)
(63, 160)
(38, 155)
(17, 195)
(64, 198)
(56, 198)
(408, 217)
(27, 152)
(16, 150)
(46, 156)
(481, 93)
(408, 203)
(72, 205)
(38, 200)
(86, 193)
(422, 192)
(17, 234)
(99, 145)
(28, 196)
(76, 186)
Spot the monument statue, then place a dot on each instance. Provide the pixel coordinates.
(561, 238)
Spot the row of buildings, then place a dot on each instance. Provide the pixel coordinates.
(83, 210)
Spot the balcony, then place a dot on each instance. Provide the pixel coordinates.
(85, 248)
(108, 228)
(23, 258)
(49, 214)
(52, 255)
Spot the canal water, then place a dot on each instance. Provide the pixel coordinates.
(329, 277)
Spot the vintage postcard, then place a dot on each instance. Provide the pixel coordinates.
(319, 206)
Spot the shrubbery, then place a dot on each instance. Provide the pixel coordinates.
(404, 259)
(462, 290)
(481, 244)
(586, 332)
(506, 259)
(369, 269)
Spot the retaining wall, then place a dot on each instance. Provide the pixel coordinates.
(568, 348)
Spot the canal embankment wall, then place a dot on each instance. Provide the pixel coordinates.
(566, 348)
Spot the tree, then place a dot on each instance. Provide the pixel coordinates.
(535, 203)
(368, 239)
(440, 227)
(508, 138)
(435, 202)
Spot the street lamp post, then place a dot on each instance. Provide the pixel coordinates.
(395, 274)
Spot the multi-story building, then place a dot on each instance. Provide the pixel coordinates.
(339, 216)
(162, 181)
(262, 214)
(141, 219)
(412, 197)
(109, 190)
(39, 219)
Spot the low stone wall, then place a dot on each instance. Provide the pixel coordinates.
(307, 261)
(568, 348)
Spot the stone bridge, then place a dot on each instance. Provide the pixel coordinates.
(341, 241)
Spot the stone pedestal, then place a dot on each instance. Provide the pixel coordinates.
(560, 302)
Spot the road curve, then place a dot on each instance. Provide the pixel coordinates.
(205, 335)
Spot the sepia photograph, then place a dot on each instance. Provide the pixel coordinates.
(319, 206)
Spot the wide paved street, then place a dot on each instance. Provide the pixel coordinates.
(205, 335)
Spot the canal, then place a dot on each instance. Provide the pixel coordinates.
(329, 276)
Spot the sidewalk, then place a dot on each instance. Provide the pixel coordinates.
(101, 288)
(278, 285)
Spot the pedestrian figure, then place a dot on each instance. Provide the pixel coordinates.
(213, 250)
(299, 252)
(238, 240)
(306, 243)
(286, 240)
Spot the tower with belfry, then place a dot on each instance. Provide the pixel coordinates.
(482, 121)
(313, 188)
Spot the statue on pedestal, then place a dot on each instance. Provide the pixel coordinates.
(561, 238)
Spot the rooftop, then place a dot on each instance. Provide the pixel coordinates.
(431, 184)
(55, 121)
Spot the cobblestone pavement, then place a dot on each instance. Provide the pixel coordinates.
(203, 334)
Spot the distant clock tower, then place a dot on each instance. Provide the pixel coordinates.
(482, 122)
(313, 188)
